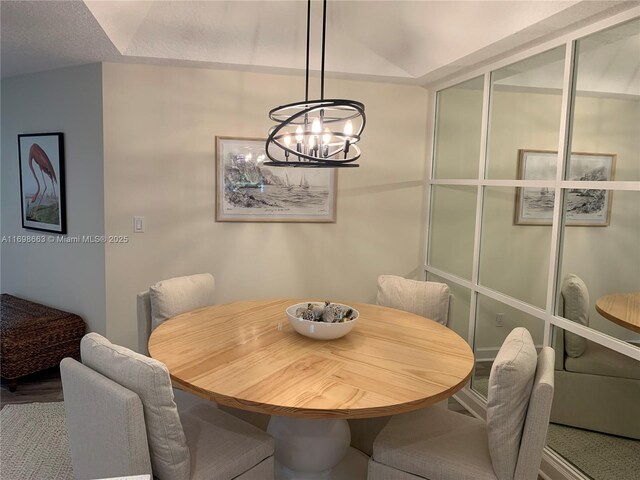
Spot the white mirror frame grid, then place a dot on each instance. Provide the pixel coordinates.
(553, 465)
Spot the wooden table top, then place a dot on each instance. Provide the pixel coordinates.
(246, 355)
(621, 308)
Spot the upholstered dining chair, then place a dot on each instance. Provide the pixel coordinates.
(427, 299)
(169, 298)
(439, 444)
(122, 420)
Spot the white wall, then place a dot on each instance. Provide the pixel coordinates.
(67, 276)
(160, 125)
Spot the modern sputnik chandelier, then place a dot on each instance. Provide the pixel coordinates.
(316, 133)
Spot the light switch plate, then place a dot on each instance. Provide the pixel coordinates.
(138, 224)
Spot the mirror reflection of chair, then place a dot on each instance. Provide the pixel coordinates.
(122, 420)
(439, 444)
(596, 388)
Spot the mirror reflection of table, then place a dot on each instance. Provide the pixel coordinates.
(621, 308)
(246, 355)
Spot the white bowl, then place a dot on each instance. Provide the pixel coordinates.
(320, 330)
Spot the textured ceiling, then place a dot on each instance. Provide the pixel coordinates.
(400, 41)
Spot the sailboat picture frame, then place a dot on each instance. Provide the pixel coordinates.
(248, 191)
(583, 207)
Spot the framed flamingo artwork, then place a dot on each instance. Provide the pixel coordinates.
(41, 157)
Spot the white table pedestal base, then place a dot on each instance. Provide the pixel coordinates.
(315, 449)
(352, 467)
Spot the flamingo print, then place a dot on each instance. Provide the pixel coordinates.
(37, 154)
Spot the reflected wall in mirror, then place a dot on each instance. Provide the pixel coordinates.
(453, 219)
(458, 127)
(514, 260)
(526, 100)
(459, 304)
(596, 408)
(606, 110)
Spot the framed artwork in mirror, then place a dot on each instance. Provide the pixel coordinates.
(42, 192)
(583, 207)
(247, 191)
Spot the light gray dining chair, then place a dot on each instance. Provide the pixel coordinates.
(439, 444)
(427, 299)
(169, 298)
(172, 297)
(122, 420)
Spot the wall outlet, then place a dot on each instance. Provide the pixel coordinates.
(499, 319)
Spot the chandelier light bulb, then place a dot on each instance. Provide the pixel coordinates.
(299, 135)
(326, 138)
(315, 126)
(348, 128)
(312, 142)
(287, 140)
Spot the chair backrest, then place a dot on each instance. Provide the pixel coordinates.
(143, 306)
(536, 424)
(149, 379)
(169, 298)
(427, 299)
(107, 433)
(519, 406)
(510, 383)
(575, 299)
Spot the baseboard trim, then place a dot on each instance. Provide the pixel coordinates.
(552, 467)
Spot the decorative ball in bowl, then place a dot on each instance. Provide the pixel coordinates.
(322, 320)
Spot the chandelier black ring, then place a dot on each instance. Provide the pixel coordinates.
(304, 159)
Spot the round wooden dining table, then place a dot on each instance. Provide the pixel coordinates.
(246, 355)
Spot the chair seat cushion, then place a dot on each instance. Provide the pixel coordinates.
(222, 447)
(436, 443)
(599, 360)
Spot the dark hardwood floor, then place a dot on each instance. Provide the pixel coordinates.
(43, 386)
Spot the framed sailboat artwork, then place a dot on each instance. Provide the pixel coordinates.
(584, 207)
(248, 191)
